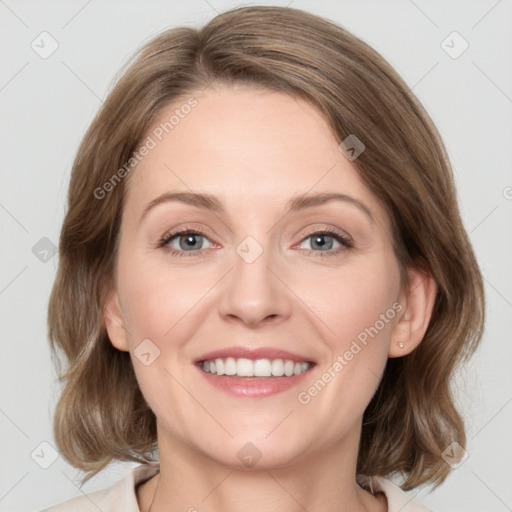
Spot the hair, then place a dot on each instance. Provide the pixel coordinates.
(101, 414)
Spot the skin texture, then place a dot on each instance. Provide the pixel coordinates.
(255, 150)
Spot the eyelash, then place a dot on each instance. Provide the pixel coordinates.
(344, 240)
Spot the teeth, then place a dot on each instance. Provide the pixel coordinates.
(278, 368)
(219, 365)
(230, 366)
(288, 368)
(243, 367)
(263, 368)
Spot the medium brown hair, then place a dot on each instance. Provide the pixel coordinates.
(101, 414)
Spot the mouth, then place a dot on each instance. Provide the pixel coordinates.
(254, 373)
(259, 368)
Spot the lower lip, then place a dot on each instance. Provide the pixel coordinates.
(253, 387)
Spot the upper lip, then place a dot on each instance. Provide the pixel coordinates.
(253, 353)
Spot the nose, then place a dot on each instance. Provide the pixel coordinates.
(254, 293)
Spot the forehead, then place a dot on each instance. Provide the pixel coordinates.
(245, 145)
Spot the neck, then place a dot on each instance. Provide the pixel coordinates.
(191, 481)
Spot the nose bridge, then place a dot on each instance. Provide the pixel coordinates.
(252, 292)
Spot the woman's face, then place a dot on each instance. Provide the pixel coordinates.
(253, 276)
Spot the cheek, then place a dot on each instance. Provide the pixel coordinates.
(361, 315)
(352, 299)
(159, 305)
(366, 303)
(156, 301)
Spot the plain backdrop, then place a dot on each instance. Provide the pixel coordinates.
(47, 102)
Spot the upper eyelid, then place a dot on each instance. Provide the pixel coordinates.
(171, 233)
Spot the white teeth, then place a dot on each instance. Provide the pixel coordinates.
(243, 367)
(230, 366)
(288, 368)
(219, 365)
(278, 367)
(262, 368)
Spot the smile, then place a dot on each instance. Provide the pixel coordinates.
(243, 367)
(258, 378)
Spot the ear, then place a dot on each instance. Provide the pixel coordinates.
(114, 323)
(417, 302)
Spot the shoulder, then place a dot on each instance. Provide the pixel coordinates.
(121, 497)
(398, 500)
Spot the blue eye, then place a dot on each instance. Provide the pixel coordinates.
(319, 240)
(190, 243)
(324, 241)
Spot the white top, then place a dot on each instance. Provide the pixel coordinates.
(121, 497)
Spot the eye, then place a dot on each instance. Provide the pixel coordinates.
(324, 241)
(190, 242)
(183, 241)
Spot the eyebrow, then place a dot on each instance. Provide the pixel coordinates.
(211, 202)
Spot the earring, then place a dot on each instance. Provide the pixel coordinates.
(401, 345)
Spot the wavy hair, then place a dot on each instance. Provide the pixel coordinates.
(101, 414)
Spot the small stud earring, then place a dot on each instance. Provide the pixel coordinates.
(401, 345)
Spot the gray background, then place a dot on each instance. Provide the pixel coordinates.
(47, 104)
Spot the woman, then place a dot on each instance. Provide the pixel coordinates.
(263, 276)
